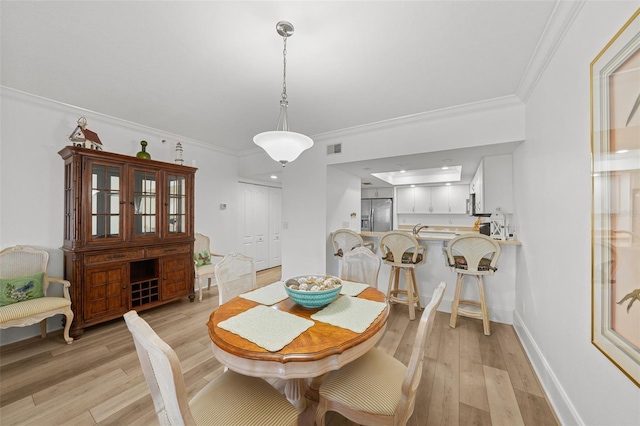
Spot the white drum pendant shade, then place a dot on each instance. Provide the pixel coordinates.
(283, 146)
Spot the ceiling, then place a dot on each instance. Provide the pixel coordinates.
(211, 71)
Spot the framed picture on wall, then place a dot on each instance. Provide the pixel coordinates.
(615, 229)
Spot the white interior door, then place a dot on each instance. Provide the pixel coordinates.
(275, 227)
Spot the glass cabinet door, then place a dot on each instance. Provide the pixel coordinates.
(145, 208)
(176, 204)
(106, 196)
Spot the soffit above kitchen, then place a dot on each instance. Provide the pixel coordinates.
(211, 72)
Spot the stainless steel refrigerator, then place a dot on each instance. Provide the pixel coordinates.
(376, 214)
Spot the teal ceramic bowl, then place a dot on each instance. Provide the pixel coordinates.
(312, 299)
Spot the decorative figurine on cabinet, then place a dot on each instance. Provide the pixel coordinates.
(84, 137)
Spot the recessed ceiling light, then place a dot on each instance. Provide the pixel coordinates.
(421, 177)
(274, 177)
(622, 151)
(448, 183)
(413, 186)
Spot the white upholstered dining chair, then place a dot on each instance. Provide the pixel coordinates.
(229, 399)
(235, 274)
(202, 262)
(361, 265)
(377, 389)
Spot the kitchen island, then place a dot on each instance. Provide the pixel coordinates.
(499, 288)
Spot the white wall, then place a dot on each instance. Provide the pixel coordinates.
(343, 198)
(31, 178)
(304, 215)
(553, 198)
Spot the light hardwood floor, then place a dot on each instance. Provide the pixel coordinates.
(468, 378)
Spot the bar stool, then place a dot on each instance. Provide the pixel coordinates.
(345, 240)
(402, 251)
(472, 255)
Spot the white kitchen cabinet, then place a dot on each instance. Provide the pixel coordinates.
(493, 184)
(458, 195)
(422, 199)
(439, 199)
(443, 199)
(413, 199)
(376, 193)
(405, 200)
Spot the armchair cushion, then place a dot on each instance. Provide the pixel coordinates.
(32, 307)
(202, 258)
(20, 289)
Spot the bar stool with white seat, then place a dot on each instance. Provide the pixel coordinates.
(402, 251)
(472, 255)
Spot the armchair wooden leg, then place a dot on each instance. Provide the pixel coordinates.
(43, 328)
(67, 326)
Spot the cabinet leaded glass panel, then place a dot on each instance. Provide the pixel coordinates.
(105, 201)
(144, 199)
(176, 204)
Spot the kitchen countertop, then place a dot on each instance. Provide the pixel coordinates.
(439, 234)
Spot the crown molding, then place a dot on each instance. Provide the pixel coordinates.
(43, 102)
(562, 16)
(439, 114)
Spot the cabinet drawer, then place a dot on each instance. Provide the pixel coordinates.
(162, 251)
(117, 256)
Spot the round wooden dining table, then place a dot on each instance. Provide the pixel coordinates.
(318, 350)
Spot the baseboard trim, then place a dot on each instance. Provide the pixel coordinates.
(567, 415)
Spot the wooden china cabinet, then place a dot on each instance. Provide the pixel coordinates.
(128, 234)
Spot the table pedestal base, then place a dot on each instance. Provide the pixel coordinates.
(294, 390)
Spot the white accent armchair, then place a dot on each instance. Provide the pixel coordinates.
(202, 262)
(24, 285)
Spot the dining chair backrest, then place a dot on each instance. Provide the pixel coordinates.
(361, 265)
(235, 274)
(228, 399)
(414, 368)
(473, 254)
(162, 371)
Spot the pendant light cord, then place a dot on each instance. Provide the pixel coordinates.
(284, 73)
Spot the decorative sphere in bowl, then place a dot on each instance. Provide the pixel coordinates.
(313, 291)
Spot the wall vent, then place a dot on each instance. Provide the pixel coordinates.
(334, 149)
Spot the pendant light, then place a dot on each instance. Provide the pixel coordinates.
(283, 145)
